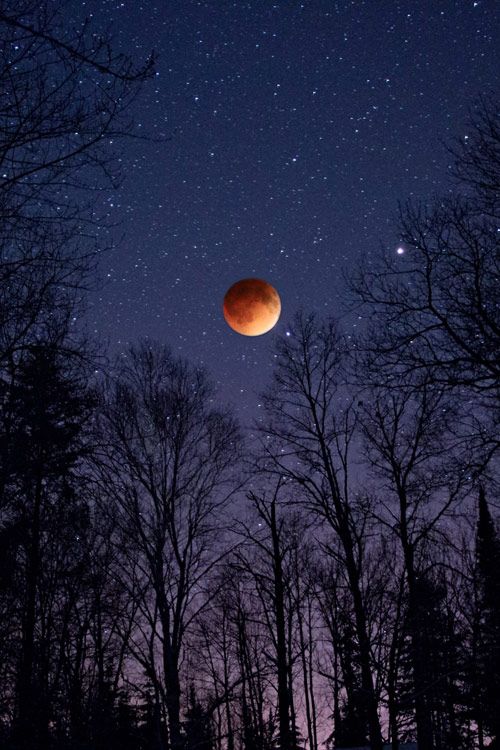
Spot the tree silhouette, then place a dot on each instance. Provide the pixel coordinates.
(307, 439)
(488, 651)
(45, 408)
(168, 469)
(433, 312)
(197, 725)
(63, 100)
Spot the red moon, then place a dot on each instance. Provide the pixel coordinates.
(252, 307)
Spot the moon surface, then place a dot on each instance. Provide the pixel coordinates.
(252, 307)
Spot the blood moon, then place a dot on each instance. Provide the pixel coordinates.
(252, 307)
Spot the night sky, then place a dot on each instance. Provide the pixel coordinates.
(290, 131)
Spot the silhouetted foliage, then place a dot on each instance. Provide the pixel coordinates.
(59, 642)
(46, 405)
(197, 725)
(487, 663)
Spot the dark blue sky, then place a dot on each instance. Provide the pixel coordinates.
(294, 129)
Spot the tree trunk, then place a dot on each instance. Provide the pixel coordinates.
(172, 695)
(314, 745)
(364, 650)
(281, 646)
(27, 718)
(305, 677)
(422, 714)
(170, 671)
(341, 526)
(173, 710)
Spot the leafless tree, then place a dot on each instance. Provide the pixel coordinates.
(236, 669)
(64, 95)
(269, 539)
(170, 468)
(477, 157)
(306, 622)
(433, 312)
(424, 476)
(307, 439)
(216, 667)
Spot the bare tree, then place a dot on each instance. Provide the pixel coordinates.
(306, 621)
(170, 469)
(63, 100)
(215, 661)
(434, 311)
(307, 439)
(477, 157)
(413, 451)
(265, 563)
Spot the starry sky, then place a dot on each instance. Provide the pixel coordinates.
(284, 135)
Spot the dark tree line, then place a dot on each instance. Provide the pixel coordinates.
(167, 583)
(136, 612)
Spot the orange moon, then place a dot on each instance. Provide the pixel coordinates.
(252, 307)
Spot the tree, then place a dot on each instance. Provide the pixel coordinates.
(434, 311)
(305, 622)
(197, 725)
(307, 438)
(341, 649)
(437, 643)
(268, 559)
(411, 448)
(168, 468)
(477, 158)
(274, 549)
(64, 94)
(215, 659)
(63, 98)
(44, 411)
(487, 661)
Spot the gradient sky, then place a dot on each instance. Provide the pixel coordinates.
(293, 129)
